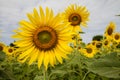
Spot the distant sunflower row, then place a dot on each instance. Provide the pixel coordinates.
(102, 44)
(7, 49)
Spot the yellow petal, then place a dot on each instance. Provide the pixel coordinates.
(46, 59)
(24, 43)
(56, 21)
(31, 18)
(27, 25)
(27, 52)
(33, 56)
(36, 14)
(52, 58)
(40, 59)
(23, 59)
(65, 46)
(42, 14)
(62, 51)
(58, 56)
(47, 14)
(77, 29)
(51, 18)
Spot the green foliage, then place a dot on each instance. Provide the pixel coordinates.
(77, 67)
(107, 66)
(97, 37)
(2, 56)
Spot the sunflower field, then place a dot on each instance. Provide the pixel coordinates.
(49, 46)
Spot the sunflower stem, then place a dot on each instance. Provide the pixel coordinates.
(44, 73)
(85, 75)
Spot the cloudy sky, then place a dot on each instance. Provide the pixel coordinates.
(101, 13)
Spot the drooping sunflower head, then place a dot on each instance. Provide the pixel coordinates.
(76, 15)
(109, 30)
(44, 38)
(116, 37)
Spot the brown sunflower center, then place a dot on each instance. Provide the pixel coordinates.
(99, 45)
(75, 19)
(45, 38)
(1, 48)
(110, 31)
(93, 43)
(117, 37)
(10, 50)
(106, 43)
(89, 50)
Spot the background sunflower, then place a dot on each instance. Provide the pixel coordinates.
(77, 16)
(110, 29)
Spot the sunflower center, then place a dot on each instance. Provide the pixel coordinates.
(110, 31)
(99, 45)
(89, 50)
(106, 42)
(1, 48)
(10, 50)
(45, 38)
(75, 19)
(117, 37)
(93, 43)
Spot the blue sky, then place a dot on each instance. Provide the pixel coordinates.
(101, 13)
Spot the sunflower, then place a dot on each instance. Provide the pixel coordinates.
(116, 37)
(106, 43)
(2, 47)
(43, 39)
(109, 30)
(98, 44)
(89, 51)
(76, 15)
(9, 50)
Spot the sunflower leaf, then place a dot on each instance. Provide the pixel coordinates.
(107, 66)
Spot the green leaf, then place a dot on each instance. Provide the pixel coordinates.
(107, 66)
(2, 56)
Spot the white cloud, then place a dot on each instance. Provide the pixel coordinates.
(101, 13)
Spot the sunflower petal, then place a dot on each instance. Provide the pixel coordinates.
(58, 56)
(46, 60)
(52, 58)
(33, 58)
(40, 59)
(27, 52)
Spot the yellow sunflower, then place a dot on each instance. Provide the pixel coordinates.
(9, 50)
(116, 37)
(76, 15)
(89, 51)
(98, 44)
(43, 39)
(2, 47)
(106, 43)
(109, 30)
